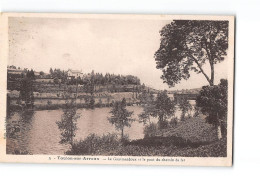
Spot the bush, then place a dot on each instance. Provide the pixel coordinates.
(49, 102)
(150, 130)
(173, 122)
(213, 103)
(21, 152)
(194, 129)
(163, 124)
(95, 145)
(197, 112)
(185, 108)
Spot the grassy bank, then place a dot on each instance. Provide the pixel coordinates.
(190, 138)
(193, 129)
(152, 146)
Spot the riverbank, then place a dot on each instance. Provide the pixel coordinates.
(152, 146)
(190, 138)
(50, 101)
(16, 108)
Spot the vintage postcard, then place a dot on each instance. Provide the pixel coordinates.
(116, 89)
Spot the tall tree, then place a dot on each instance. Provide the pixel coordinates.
(121, 117)
(51, 71)
(68, 123)
(212, 101)
(188, 45)
(27, 88)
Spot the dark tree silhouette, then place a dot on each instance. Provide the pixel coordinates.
(27, 88)
(213, 103)
(121, 117)
(68, 123)
(188, 45)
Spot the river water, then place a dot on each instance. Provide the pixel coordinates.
(37, 132)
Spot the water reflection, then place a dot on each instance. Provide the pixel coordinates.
(19, 125)
(36, 132)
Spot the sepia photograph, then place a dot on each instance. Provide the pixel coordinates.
(117, 89)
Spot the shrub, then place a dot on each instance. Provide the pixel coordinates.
(21, 152)
(196, 112)
(163, 124)
(150, 130)
(95, 145)
(185, 108)
(49, 102)
(173, 122)
(213, 103)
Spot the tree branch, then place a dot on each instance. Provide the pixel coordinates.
(196, 61)
(211, 62)
(202, 71)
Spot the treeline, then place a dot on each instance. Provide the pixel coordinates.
(107, 79)
(97, 78)
(61, 76)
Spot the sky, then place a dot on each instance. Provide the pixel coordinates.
(116, 46)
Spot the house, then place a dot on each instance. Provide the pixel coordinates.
(37, 73)
(74, 74)
(14, 71)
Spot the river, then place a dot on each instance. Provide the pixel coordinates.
(37, 132)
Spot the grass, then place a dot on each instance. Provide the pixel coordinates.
(214, 149)
(190, 138)
(95, 145)
(193, 129)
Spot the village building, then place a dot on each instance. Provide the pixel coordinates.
(14, 71)
(74, 74)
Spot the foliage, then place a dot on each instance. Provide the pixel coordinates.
(184, 148)
(56, 80)
(150, 130)
(68, 123)
(121, 117)
(186, 45)
(173, 122)
(95, 145)
(197, 112)
(92, 102)
(185, 107)
(213, 103)
(108, 100)
(162, 108)
(41, 73)
(58, 73)
(100, 79)
(49, 102)
(193, 129)
(87, 99)
(146, 97)
(27, 88)
(109, 145)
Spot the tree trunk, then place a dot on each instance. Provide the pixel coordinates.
(71, 132)
(160, 122)
(219, 132)
(219, 129)
(212, 73)
(122, 134)
(77, 85)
